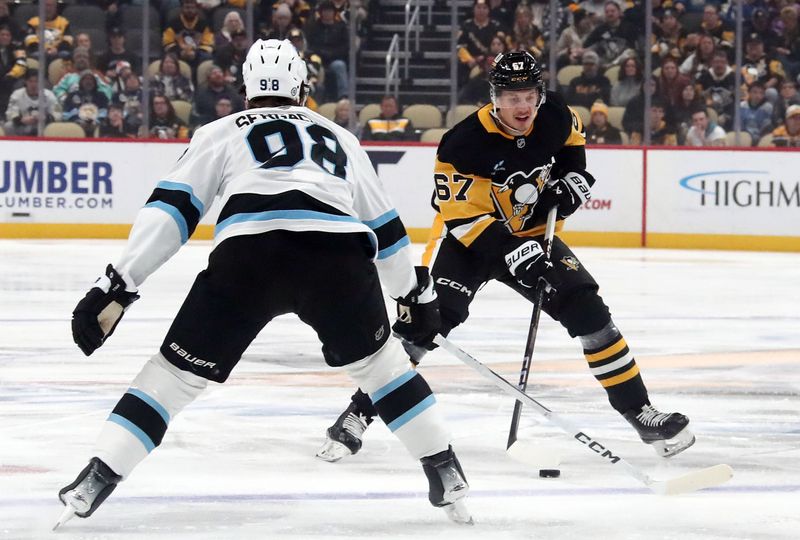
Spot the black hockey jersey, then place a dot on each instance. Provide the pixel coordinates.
(488, 182)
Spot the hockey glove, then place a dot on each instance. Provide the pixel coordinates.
(568, 193)
(98, 313)
(418, 318)
(527, 263)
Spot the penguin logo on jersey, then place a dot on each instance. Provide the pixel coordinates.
(516, 196)
(571, 262)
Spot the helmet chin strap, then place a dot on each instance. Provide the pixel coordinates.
(506, 127)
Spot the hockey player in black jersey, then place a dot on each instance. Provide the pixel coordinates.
(497, 174)
(305, 227)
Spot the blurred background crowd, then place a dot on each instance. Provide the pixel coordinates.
(160, 69)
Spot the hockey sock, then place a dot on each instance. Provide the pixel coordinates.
(138, 422)
(614, 366)
(403, 399)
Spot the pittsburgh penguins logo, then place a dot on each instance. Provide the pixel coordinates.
(517, 194)
(570, 262)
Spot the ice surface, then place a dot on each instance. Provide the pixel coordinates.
(717, 335)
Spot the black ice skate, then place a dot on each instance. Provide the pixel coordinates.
(667, 432)
(82, 497)
(344, 436)
(448, 486)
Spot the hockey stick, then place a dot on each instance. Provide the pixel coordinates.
(533, 328)
(687, 483)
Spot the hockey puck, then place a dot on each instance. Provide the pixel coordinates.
(549, 473)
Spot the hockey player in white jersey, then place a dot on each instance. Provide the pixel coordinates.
(305, 227)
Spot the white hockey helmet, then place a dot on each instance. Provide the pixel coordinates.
(273, 68)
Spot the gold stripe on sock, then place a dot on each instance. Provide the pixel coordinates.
(607, 352)
(621, 378)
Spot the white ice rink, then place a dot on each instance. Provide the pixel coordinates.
(716, 334)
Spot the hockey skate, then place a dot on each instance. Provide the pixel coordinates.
(82, 497)
(344, 436)
(666, 432)
(448, 486)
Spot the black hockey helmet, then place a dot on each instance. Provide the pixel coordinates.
(516, 70)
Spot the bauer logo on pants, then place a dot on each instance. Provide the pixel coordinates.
(189, 357)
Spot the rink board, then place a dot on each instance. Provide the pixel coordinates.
(677, 198)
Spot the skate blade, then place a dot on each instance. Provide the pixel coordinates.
(457, 512)
(68, 513)
(333, 451)
(675, 445)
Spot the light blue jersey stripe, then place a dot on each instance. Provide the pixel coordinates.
(412, 413)
(281, 214)
(134, 429)
(385, 253)
(183, 228)
(381, 392)
(152, 402)
(178, 186)
(381, 220)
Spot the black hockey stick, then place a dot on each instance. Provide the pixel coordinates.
(549, 232)
(692, 481)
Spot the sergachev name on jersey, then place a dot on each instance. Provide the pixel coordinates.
(246, 119)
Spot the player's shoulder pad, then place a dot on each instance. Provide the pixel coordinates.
(464, 144)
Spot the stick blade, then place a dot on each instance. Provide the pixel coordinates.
(535, 455)
(695, 480)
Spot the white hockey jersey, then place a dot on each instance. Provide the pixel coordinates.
(273, 168)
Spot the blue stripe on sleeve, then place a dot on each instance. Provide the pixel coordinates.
(183, 228)
(178, 186)
(152, 402)
(381, 220)
(412, 413)
(386, 389)
(394, 248)
(134, 429)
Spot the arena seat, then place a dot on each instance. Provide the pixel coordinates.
(567, 73)
(328, 110)
(370, 111)
(433, 135)
(745, 139)
(423, 116)
(184, 68)
(202, 73)
(64, 129)
(183, 109)
(456, 115)
(612, 74)
(615, 115)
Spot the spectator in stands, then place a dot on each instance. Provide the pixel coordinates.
(570, 42)
(12, 66)
(222, 108)
(188, 35)
(116, 76)
(474, 38)
(169, 81)
(629, 82)
(595, 9)
(504, 13)
(164, 123)
(114, 125)
(758, 66)
(680, 113)
(717, 84)
(22, 115)
(231, 56)
(113, 12)
(80, 64)
(670, 82)
(117, 51)
(6, 20)
(788, 134)
(206, 98)
(704, 132)
(313, 65)
(700, 59)
(230, 24)
(83, 39)
(525, 36)
(341, 117)
(301, 11)
(281, 23)
(614, 39)
(389, 125)
(759, 23)
(633, 118)
(477, 87)
(599, 131)
(591, 85)
(329, 39)
(669, 36)
(87, 105)
(787, 46)
(57, 33)
(662, 133)
(788, 97)
(756, 112)
(716, 27)
(131, 100)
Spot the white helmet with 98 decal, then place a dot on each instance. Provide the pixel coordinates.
(273, 68)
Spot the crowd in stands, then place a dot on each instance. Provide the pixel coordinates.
(95, 72)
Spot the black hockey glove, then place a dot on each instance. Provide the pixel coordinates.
(526, 262)
(418, 318)
(569, 193)
(98, 313)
